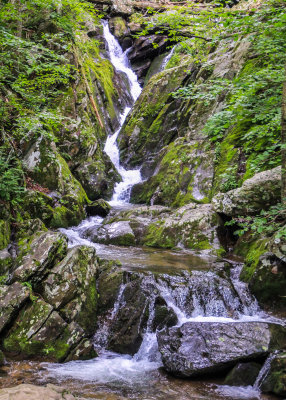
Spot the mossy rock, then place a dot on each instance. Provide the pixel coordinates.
(71, 287)
(183, 175)
(38, 255)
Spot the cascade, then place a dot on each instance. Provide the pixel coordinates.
(129, 177)
(199, 296)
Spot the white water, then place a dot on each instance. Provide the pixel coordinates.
(167, 59)
(129, 177)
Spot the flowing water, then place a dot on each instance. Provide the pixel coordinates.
(186, 283)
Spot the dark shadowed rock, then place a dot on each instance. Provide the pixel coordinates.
(127, 329)
(99, 207)
(199, 348)
(243, 374)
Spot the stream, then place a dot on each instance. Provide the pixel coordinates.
(187, 284)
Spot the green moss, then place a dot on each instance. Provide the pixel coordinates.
(253, 253)
(159, 236)
(174, 183)
(5, 234)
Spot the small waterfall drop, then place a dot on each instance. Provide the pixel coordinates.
(167, 59)
(264, 371)
(129, 177)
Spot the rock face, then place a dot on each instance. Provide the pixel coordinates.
(49, 311)
(257, 193)
(197, 348)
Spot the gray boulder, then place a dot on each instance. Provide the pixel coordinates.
(117, 233)
(194, 349)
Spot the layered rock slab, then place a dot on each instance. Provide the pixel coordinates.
(198, 348)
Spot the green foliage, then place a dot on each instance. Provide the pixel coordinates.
(268, 223)
(33, 298)
(11, 179)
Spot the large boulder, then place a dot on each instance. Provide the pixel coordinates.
(198, 348)
(71, 287)
(117, 233)
(192, 226)
(257, 193)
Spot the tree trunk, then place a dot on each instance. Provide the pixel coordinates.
(283, 143)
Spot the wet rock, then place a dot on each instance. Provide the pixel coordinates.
(152, 123)
(127, 329)
(143, 47)
(164, 315)
(256, 194)
(12, 298)
(83, 351)
(32, 392)
(117, 233)
(275, 379)
(43, 250)
(71, 287)
(99, 207)
(108, 285)
(184, 172)
(198, 348)
(243, 374)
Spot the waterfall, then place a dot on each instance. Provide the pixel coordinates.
(264, 371)
(120, 62)
(167, 59)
